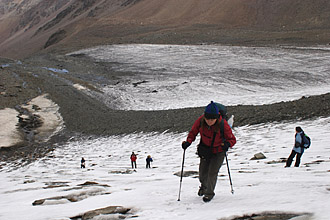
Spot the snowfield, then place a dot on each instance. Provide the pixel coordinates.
(259, 185)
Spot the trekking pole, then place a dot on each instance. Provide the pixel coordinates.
(231, 184)
(184, 152)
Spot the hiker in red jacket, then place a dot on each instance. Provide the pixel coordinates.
(216, 139)
(133, 160)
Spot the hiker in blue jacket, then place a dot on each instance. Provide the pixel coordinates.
(298, 148)
(148, 161)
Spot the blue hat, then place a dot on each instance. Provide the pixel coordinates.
(211, 111)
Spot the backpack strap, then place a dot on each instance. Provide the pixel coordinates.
(214, 134)
(222, 130)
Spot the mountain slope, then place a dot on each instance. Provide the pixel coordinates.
(31, 26)
(234, 13)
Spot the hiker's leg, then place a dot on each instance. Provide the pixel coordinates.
(289, 161)
(214, 167)
(298, 159)
(203, 172)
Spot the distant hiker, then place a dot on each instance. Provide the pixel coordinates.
(298, 148)
(82, 163)
(231, 121)
(148, 160)
(133, 160)
(216, 138)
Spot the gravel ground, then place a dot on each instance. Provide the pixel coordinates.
(84, 115)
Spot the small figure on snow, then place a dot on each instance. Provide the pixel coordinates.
(148, 160)
(298, 148)
(82, 163)
(216, 138)
(133, 160)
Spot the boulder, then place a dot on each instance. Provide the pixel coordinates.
(258, 156)
(39, 202)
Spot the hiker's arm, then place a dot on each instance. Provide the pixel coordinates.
(298, 141)
(194, 130)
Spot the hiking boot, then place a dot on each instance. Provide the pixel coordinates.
(207, 198)
(201, 191)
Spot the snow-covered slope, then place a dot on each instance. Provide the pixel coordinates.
(259, 185)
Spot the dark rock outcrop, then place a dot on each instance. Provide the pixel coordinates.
(110, 210)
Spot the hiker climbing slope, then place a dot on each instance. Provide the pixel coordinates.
(133, 160)
(82, 163)
(212, 147)
(148, 161)
(301, 142)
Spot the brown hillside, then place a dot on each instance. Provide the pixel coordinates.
(31, 26)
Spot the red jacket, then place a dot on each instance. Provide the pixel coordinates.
(207, 135)
(133, 157)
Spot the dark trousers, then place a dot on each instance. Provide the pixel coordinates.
(133, 164)
(290, 159)
(208, 172)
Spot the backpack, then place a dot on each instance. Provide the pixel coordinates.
(306, 141)
(222, 110)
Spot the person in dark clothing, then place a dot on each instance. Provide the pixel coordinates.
(208, 126)
(133, 160)
(148, 161)
(298, 148)
(82, 163)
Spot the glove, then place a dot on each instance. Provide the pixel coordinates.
(225, 146)
(185, 145)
